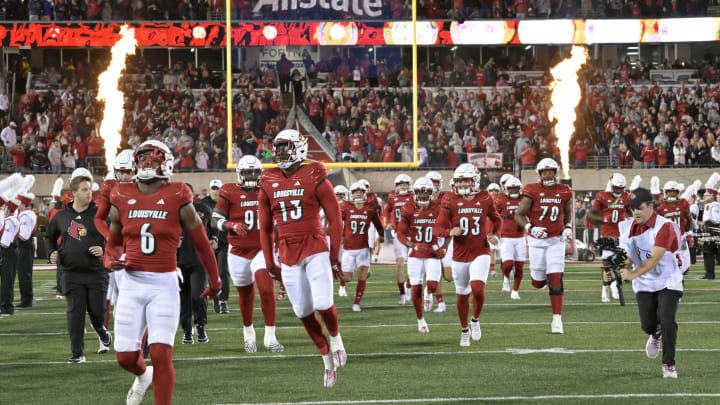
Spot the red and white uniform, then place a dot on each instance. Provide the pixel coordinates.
(416, 225)
(447, 260)
(471, 255)
(547, 256)
(613, 210)
(245, 256)
(675, 212)
(513, 243)
(103, 203)
(495, 197)
(356, 227)
(392, 214)
(151, 231)
(293, 201)
(10, 231)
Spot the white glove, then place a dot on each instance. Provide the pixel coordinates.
(567, 234)
(538, 232)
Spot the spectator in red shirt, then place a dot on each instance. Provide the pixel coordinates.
(388, 154)
(527, 156)
(661, 155)
(187, 163)
(649, 155)
(581, 151)
(451, 156)
(624, 157)
(18, 154)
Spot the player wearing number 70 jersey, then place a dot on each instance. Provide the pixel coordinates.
(236, 213)
(545, 212)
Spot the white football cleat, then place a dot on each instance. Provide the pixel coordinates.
(605, 294)
(427, 301)
(329, 378)
(556, 326)
(514, 295)
(465, 339)
(493, 274)
(337, 349)
(250, 346)
(342, 292)
(273, 346)
(356, 308)
(249, 338)
(669, 371)
(506, 285)
(441, 307)
(652, 347)
(141, 384)
(614, 291)
(402, 300)
(475, 330)
(423, 326)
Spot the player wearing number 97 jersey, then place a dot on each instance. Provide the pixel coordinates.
(292, 196)
(236, 213)
(545, 212)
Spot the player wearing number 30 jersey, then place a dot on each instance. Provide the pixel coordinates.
(545, 212)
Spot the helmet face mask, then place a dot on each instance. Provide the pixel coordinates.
(464, 185)
(671, 195)
(402, 188)
(289, 148)
(152, 161)
(617, 191)
(123, 166)
(513, 192)
(341, 193)
(123, 176)
(548, 169)
(423, 190)
(248, 171)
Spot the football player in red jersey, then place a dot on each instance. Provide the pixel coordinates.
(513, 244)
(357, 217)
(677, 210)
(292, 195)
(545, 213)
(495, 191)
(122, 173)
(609, 208)
(462, 217)
(436, 179)
(415, 230)
(397, 198)
(236, 213)
(146, 221)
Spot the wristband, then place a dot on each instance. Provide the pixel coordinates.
(220, 224)
(528, 226)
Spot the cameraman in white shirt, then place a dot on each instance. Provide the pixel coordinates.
(652, 243)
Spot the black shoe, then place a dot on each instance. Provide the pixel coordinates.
(224, 308)
(76, 359)
(108, 338)
(216, 305)
(202, 335)
(188, 338)
(24, 305)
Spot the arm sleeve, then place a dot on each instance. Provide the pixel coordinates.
(666, 238)
(328, 201)
(443, 225)
(403, 227)
(101, 217)
(387, 212)
(266, 227)
(495, 219)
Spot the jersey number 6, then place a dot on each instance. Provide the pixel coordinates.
(147, 240)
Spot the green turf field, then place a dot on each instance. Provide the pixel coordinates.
(599, 359)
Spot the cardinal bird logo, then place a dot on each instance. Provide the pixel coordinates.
(77, 230)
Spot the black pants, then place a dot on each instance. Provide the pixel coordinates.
(693, 255)
(84, 292)
(657, 312)
(710, 253)
(191, 305)
(221, 255)
(24, 270)
(8, 261)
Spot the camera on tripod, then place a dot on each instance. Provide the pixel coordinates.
(614, 262)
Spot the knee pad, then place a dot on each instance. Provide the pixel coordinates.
(556, 290)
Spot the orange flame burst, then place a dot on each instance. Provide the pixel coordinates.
(565, 97)
(114, 109)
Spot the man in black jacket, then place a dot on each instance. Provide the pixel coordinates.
(84, 280)
(218, 240)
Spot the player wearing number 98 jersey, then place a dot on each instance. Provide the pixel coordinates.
(545, 212)
(236, 213)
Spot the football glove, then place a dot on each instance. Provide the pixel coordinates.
(538, 232)
(567, 234)
(336, 269)
(211, 292)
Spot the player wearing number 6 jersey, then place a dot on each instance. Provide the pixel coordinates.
(292, 196)
(545, 212)
(462, 217)
(146, 221)
(609, 209)
(358, 216)
(236, 213)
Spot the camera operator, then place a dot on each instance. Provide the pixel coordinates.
(651, 243)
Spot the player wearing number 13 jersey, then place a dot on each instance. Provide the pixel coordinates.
(236, 213)
(146, 221)
(545, 212)
(292, 195)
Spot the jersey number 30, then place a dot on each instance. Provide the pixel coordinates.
(147, 240)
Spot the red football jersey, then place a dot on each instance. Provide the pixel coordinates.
(240, 205)
(548, 206)
(613, 211)
(477, 218)
(675, 212)
(356, 224)
(103, 202)
(295, 207)
(394, 206)
(151, 226)
(507, 207)
(416, 224)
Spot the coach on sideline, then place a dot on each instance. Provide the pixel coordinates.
(651, 242)
(84, 280)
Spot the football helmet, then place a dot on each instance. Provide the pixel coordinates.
(465, 171)
(123, 162)
(289, 147)
(548, 164)
(617, 184)
(493, 188)
(365, 184)
(145, 158)
(436, 179)
(512, 187)
(342, 193)
(358, 186)
(423, 189)
(248, 171)
(503, 179)
(402, 179)
(671, 187)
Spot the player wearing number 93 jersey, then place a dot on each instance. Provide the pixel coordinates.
(545, 212)
(292, 195)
